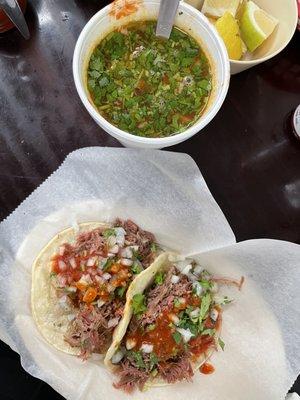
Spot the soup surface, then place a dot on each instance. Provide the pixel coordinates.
(148, 86)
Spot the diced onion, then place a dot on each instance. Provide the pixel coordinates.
(111, 241)
(195, 313)
(130, 343)
(112, 322)
(110, 288)
(72, 262)
(126, 262)
(120, 236)
(71, 317)
(91, 261)
(185, 333)
(85, 279)
(186, 270)
(61, 250)
(106, 276)
(146, 348)
(198, 269)
(214, 314)
(100, 303)
(63, 303)
(62, 265)
(126, 252)
(175, 278)
(117, 357)
(114, 249)
(197, 288)
(192, 277)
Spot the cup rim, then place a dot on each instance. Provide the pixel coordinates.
(163, 141)
(279, 50)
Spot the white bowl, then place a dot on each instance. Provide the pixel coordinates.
(188, 19)
(286, 12)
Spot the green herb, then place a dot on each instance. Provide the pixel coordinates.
(221, 343)
(177, 302)
(154, 247)
(206, 284)
(225, 300)
(159, 278)
(204, 307)
(108, 232)
(52, 274)
(108, 264)
(153, 361)
(138, 359)
(177, 337)
(136, 268)
(150, 327)
(209, 332)
(120, 291)
(138, 304)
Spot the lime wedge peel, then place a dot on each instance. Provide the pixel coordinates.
(256, 25)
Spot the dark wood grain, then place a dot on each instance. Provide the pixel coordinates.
(250, 161)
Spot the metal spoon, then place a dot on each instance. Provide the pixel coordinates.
(14, 13)
(166, 16)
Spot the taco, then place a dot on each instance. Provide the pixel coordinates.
(171, 325)
(80, 280)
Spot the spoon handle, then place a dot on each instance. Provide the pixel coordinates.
(166, 16)
(14, 13)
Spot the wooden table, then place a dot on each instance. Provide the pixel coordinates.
(250, 160)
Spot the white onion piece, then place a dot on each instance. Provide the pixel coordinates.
(111, 241)
(100, 303)
(86, 279)
(61, 280)
(186, 270)
(110, 288)
(117, 357)
(214, 314)
(130, 343)
(197, 288)
(114, 249)
(120, 236)
(126, 262)
(112, 322)
(175, 278)
(91, 261)
(185, 333)
(195, 313)
(99, 279)
(72, 262)
(62, 265)
(71, 317)
(126, 252)
(61, 250)
(110, 255)
(181, 300)
(146, 348)
(63, 303)
(198, 269)
(71, 289)
(106, 276)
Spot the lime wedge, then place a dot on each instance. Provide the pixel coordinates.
(256, 25)
(228, 29)
(216, 8)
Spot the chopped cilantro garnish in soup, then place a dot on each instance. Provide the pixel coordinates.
(148, 86)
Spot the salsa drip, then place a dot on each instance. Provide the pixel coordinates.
(148, 86)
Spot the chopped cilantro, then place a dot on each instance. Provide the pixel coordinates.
(108, 232)
(177, 337)
(52, 274)
(177, 303)
(153, 247)
(221, 343)
(204, 307)
(120, 291)
(138, 304)
(136, 268)
(108, 264)
(206, 284)
(150, 327)
(138, 359)
(209, 332)
(153, 361)
(159, 278)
